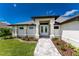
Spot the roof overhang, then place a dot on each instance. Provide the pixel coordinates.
(22, 25)
(38, 17)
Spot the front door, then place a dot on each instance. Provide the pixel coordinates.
(44, 30)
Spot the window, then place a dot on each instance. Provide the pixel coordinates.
(45, 28)
(21, 28)
(41, 28)
(56, 27)
(30, 27)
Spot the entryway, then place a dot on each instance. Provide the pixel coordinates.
(44, 30)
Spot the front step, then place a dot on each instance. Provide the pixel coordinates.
(44, 36)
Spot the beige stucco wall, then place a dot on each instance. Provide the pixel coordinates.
(52, 21)
(31, 32)
(21, 32)
(70, 32)
(57, 32)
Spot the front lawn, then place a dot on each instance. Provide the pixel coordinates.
(12, 47)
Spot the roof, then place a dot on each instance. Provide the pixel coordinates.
(28, 22)
(62, 19)
(72, 19)
(3, 25)
(37, 17)
(56, 23)
(59, 20)
(24, 23)
(32, 22)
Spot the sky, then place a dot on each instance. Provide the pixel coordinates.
(21, 12)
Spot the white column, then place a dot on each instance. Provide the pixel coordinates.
(37, 29)
(25, 28)
(14, 31)
(52, 28)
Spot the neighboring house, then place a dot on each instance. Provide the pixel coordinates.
(3, 25)
(50, 26)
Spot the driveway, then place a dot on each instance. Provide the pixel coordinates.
(45, 47)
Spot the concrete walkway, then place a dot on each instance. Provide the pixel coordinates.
(45, 47)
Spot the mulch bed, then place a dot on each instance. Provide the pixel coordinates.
(64, 48)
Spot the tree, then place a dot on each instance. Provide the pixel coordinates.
(4, 32)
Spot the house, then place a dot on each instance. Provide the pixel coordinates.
(3, 25)
(40, 26)
(50, 26)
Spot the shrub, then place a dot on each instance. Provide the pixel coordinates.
(55, 39)
(58, 43)
(63, 48)
(29, 38)
(32, 39)
(76, 53)
(5, 32)
(70, 46)
(7, 37)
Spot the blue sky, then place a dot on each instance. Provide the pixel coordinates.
(20, 12)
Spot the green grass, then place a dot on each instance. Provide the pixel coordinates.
(16, 48)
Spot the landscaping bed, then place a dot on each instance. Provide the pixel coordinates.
(28, 38)
(64, 48)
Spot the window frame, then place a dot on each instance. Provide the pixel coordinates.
(21, 27)
(31, 27)
(56, 26)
